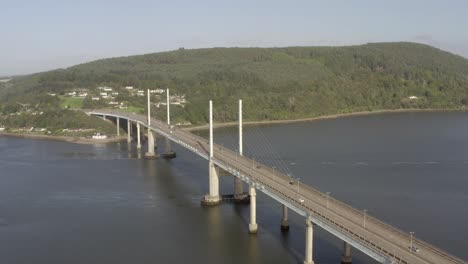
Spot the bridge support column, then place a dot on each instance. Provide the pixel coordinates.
(129, 131)
(309, 242)
(168, 153)
(118, 126)
(346, 259)
(284, 221)
(212, 198)
(239, 195)
(138, 136)
(253, 228)
(150, 153)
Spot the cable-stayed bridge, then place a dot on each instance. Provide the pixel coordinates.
(356, 228)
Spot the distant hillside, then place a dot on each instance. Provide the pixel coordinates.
(275, 83)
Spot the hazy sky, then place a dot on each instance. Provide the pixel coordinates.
(39, 35)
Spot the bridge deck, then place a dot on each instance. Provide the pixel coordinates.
(377, 239)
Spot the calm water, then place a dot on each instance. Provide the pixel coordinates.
(66, 203)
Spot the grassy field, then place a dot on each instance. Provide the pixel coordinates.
(71, 102)
(133, 109)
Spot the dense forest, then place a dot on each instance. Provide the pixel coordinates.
(275, 83)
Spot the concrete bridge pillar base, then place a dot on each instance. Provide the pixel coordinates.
(213, 197)
(284, 221)
(169, 155)
(150, 156)
(346, 259)
(253, 229)
(208, 200)
(241, 198)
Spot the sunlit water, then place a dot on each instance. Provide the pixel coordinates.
(67, 203)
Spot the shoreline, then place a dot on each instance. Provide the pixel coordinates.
(319, 118)
(70, 139)
(89, 141)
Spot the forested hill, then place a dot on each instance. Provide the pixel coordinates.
(275, 83)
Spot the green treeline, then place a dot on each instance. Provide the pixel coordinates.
(275, 83)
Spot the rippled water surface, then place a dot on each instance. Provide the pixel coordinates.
(67, 203)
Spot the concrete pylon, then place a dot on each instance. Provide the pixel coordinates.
(168, 153)
(346, 258)
(151, 142)
(284, 220)
(129, 131)
(309, 242)
(239, 195)
(253, 228)
(150, 153)
(213, 197)
(138, 136)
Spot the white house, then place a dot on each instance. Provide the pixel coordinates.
(99, 136)
(413, 97)
(158, 91)
(95, 98)
(129, 87)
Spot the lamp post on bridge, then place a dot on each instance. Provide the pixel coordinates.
(328, 198)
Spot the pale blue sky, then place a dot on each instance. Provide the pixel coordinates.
(39, 35)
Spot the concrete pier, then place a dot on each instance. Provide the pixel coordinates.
(284, 220)
(118, 126)
(253, 228)
(213, 197)
(309, 242)
(138, 136)
(346, 258)
(150, 153)
(129, 131)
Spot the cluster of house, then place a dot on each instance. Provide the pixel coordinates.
(174, 100)
(80, 93)
(27, 112)
(31, 129)
(70, 130)
(108, 93)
